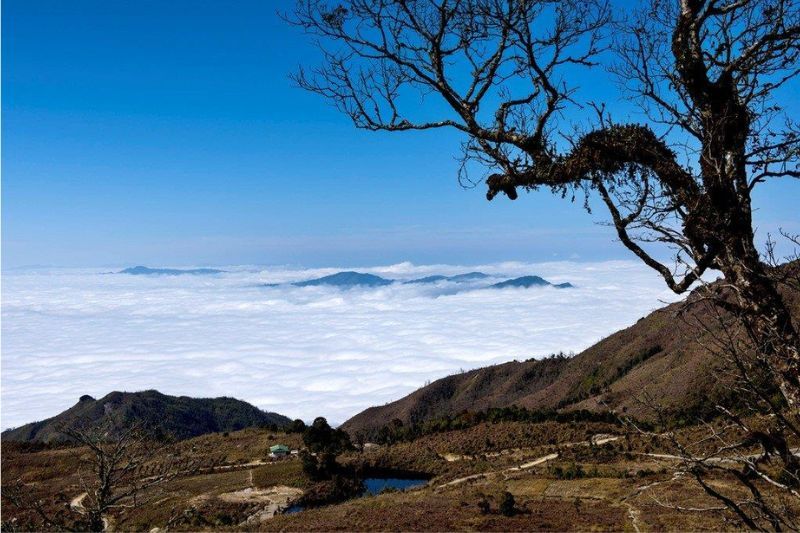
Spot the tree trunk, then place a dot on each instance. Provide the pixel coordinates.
(726, 224)
(96, 522)
(768, 321)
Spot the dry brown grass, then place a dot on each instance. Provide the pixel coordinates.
(620, 488)
(51, 475)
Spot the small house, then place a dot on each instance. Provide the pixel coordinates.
(278, 450)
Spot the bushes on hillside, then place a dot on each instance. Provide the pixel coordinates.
(507, 504)
(323, 444)
(296, 426)
(396, 431)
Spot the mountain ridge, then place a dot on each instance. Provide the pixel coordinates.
(147, 271)
(352, 278)
(180, 417)
(458, 278)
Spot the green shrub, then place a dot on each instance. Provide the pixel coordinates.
(507, 504)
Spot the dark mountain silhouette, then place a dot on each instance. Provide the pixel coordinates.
(427, 279)
(527, 282)
(469, 276)
(346, 279)
(358, 279)
(660, 357)
(458, 278)
(146, 271)
(178, 416)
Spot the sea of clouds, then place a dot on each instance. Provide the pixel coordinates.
(302, 352)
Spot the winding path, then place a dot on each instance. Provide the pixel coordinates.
(523, 466)
(595, 440)
(76, 504)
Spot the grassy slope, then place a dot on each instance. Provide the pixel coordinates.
(659, 356)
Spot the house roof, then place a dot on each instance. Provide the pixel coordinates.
(279, 448)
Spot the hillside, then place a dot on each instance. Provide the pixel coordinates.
(178, 416)
(659, 357)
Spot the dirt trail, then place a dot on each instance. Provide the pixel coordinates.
(795, 451)
(595, 440)
(257, 462)
(463, 480)
(634, 514)
(533, 463)
(518, 468)
(76, 504)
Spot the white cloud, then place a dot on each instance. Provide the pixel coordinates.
(302, 352)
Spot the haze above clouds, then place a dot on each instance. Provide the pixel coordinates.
(303, 352)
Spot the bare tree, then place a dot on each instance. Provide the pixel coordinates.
(116, 469)
(707, 73)
(746, 457)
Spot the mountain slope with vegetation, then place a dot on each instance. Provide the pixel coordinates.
(179, 417)
(662, 357)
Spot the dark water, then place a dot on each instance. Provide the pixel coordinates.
(373, 486)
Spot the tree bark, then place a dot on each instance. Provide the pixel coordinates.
(768, 321)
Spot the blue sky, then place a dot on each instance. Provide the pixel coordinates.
(169, 133)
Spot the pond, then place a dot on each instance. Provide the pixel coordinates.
(376, 485)
(372, 487)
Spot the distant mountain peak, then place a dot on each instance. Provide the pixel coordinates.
(426, 279)
(458, 278)
(346, 279)
(359, 279)
(524, 282)
(469, 276)
(147, 271)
